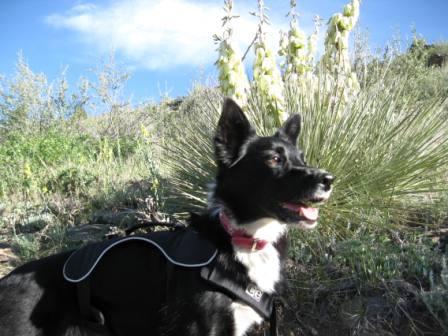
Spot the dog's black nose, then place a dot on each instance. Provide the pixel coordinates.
(327, 180)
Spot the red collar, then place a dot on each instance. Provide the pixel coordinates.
(240, 237)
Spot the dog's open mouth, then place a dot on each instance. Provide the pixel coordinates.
(306, 212)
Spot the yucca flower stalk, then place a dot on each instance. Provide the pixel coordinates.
(233, 81)
(294, 48)
(267, 78)
(312, 42)
(336, 59)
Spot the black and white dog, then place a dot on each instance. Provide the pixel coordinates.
(263, 186)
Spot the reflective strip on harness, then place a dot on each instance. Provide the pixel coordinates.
(184, 248)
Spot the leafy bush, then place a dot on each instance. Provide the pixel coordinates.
(27, 246)
(35, 160)
(70, 180)
(24, 158)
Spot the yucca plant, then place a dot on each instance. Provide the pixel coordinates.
(187, 162)
(385, 143)
(386, 148)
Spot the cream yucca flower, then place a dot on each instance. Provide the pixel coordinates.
(294, 48)
(297, 49)
(233, 81)
(268, 81)
(336, 59)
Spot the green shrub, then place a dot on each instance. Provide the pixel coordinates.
(27, 246)
(25, 158)
(34, 162)
(71, 180)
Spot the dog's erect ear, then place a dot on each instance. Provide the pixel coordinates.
(233, 130)
(290, 129)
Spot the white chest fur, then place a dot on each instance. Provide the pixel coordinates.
(264, 265)
(244, 318)
(263, 269)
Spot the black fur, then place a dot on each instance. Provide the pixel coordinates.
(256, 175)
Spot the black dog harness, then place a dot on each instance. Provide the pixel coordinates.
(182, 248)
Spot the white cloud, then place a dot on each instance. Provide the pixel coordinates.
(157, 34)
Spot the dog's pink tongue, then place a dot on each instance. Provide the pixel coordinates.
(309, 213)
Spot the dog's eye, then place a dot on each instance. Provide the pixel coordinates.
(275, 160)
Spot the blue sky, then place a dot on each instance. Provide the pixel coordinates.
(166, 44)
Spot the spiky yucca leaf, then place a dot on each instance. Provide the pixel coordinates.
(188, 160)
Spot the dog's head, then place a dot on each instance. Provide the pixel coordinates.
(266, 177)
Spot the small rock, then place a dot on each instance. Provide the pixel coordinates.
(437, 60)
(122, 219)
(7, 255)
(87, 233)
(7, 259)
